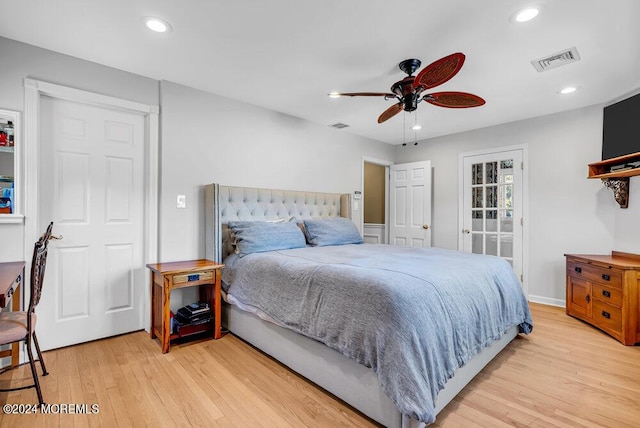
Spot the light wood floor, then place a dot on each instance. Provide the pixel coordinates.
(565, 373)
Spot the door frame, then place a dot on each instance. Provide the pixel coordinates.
(34, 90)
(525, 201)
(386, 164)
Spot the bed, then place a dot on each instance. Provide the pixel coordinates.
(386, 329)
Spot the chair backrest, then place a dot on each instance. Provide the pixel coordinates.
(38, 265)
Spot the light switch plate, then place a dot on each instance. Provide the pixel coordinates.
(181, 201)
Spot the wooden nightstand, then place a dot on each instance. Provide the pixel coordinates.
(166, 277)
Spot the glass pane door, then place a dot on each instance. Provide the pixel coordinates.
(492, 206)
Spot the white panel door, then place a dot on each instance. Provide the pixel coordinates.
(410, 204)
(91, 186)
(492, 206)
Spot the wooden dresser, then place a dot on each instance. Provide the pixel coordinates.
(604, 290)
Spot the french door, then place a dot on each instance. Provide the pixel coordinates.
(492, 221)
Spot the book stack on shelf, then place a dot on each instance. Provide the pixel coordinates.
(193, 318)
(625, 166)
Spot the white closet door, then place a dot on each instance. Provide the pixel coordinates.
(91, 185)
(410, 204)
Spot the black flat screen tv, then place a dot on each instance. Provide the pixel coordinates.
(621, 128)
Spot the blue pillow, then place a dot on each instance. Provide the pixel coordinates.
(331, 231)
(261, 236)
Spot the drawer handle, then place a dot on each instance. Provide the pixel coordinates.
(587, 298)
(19, 278)
(606, 293)
(606, 314)
(606, 277)
(578, 269)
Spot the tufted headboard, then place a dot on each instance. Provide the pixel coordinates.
(226, 203)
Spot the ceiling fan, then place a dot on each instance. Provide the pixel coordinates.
(408, 91)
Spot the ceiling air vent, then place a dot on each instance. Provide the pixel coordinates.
(558, 59)
(339, 125)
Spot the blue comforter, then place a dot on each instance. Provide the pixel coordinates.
(414, 315)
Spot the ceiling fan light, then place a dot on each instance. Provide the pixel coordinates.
(416, 127)
(158, 25)
(334, 95)
(527, 14)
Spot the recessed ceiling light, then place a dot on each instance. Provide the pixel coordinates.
(568, 90)
(334, 95)
(158, 25)
(526, 14)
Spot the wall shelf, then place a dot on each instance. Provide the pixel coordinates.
(6, 149)
(618, 179)
(602, 169)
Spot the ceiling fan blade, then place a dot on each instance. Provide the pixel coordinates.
(390, 112)
(364, 94)
(454, 99)
(440, 71)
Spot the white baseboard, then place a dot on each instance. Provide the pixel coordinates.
(547, 301)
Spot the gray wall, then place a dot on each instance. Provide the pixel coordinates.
(567, 212)
(20, 60)
(204, 138)
(627, 226)
(208, 138)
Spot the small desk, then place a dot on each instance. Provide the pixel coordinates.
(11, 276)
(166, 277)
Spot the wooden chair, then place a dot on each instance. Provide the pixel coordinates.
(21, 326)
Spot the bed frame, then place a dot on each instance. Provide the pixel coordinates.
(350, 381)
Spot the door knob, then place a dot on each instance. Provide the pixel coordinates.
(425, 226)
(466, 231)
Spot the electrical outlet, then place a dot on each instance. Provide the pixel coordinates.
(182, 201)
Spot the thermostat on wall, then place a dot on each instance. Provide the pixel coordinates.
(357, 194)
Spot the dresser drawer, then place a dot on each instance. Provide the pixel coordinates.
(609, 295)
(607, 317)
(192, 277)
(594, 273)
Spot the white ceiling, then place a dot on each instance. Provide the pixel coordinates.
(287, 55)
